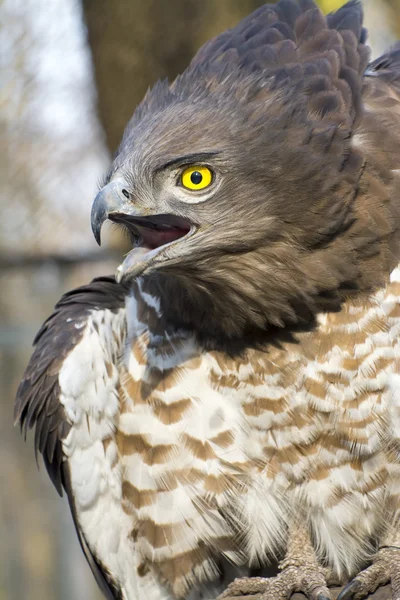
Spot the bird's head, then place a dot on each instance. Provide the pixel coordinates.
(239, 187)
(187, 183)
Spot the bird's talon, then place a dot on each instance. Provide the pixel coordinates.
(308, 579)
(351, 588)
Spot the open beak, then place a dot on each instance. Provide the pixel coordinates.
(150, 232)
(111, 198)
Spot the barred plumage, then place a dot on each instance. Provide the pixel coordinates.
(233, 398)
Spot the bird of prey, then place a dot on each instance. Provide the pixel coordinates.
(232, 397)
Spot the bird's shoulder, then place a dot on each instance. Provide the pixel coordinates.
(38, 401)
(387, 68)
(379, 129)
(85, 330)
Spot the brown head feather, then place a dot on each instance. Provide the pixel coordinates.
(302, 217)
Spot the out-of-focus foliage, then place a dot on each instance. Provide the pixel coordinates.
(52, 154)
(330, 5)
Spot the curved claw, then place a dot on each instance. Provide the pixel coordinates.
(348, 592)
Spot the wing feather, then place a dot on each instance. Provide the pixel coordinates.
(387, 68)
(38, 398)
(37, 402)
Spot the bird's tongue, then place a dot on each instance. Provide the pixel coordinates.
(154, 238)
(151, 240)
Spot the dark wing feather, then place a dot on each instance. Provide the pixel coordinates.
(380, 134)
(387, 67)
(37, 402)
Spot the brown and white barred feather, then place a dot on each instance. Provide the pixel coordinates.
(174, 457)
(220, 454)
(69, 394)
(177, 457)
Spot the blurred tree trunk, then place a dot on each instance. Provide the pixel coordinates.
(394, 6)
(134, 43)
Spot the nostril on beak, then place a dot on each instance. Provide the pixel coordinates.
(126, 193)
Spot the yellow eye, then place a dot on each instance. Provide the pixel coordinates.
(196, 178)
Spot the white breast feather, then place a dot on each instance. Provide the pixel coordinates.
(90, 399)
(265, 506)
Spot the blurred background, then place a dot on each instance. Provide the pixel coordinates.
(71, 75)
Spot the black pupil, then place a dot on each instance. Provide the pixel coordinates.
(196, 177)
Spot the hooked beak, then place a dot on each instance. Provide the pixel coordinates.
(151, 232)
(111, 198)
